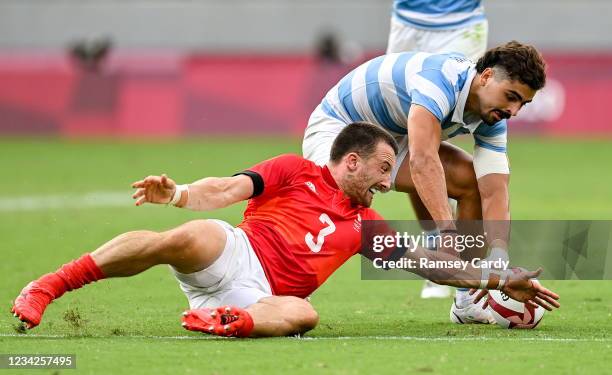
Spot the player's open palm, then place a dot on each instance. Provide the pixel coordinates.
(522, 286)
(154, 189)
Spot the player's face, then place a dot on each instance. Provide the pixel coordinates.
(501, 98)
(371, 175)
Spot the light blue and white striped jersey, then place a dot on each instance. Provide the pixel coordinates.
(438, 14)
(382, 90)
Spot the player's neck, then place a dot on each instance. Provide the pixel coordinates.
(337, 174)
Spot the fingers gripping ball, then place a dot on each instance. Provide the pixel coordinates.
(225, 321)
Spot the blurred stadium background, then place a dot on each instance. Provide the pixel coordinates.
(96, 94)
(172, 68)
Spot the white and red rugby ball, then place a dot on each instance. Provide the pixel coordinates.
(509, 313)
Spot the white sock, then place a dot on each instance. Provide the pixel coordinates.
(463, 298)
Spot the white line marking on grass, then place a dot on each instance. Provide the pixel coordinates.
(339, 338)
(83, 200)
(470, 338)
(33, 336)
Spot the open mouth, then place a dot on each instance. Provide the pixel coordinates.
(499, 115)
(375, 190)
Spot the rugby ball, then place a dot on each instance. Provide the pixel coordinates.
(512, 314)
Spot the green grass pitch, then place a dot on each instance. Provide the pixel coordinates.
(131, 326)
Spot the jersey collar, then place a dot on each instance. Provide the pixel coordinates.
(463, 95)
(327, 176)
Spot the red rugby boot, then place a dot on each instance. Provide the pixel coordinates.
(228, 321)
(31, 303)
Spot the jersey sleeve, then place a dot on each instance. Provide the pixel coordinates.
(378, 227)
(272, 174)
(431, 89)
(490, 149)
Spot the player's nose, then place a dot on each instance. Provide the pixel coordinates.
(385, 185)
(513, 109)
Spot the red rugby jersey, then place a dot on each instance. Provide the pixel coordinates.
(301, 226)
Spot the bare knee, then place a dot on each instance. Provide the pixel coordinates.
(466, 183)
(183, 236)
(459, 171)
(282, 316)
(304, 317)
(192, 246)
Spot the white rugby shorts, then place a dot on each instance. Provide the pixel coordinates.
(236, 278)
(471, 40)
(321, 132)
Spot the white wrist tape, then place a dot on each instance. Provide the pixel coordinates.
(178, 192)
(484, 278)
(487, 162)
(486, 273)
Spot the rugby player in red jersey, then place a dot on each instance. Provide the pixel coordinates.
(301, 223)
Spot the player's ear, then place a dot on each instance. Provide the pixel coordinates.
(351, 159)
(486, 75)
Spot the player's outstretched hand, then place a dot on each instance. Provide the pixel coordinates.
(522, 287)
(154, 189)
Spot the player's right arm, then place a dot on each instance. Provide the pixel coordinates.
(207, 194)
(212, 193)
(425, 165)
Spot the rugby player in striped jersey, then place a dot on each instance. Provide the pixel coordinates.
(423, 99)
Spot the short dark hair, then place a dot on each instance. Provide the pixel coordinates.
(522, 62)
(361, 138)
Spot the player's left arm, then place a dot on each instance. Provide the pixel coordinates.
(495, 209)
(493, 174)
(518, 284)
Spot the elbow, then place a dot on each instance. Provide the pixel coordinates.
(214, 194)
(231, 193)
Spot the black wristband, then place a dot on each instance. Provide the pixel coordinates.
(258, 183)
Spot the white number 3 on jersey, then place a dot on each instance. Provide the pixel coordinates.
(315, 247)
